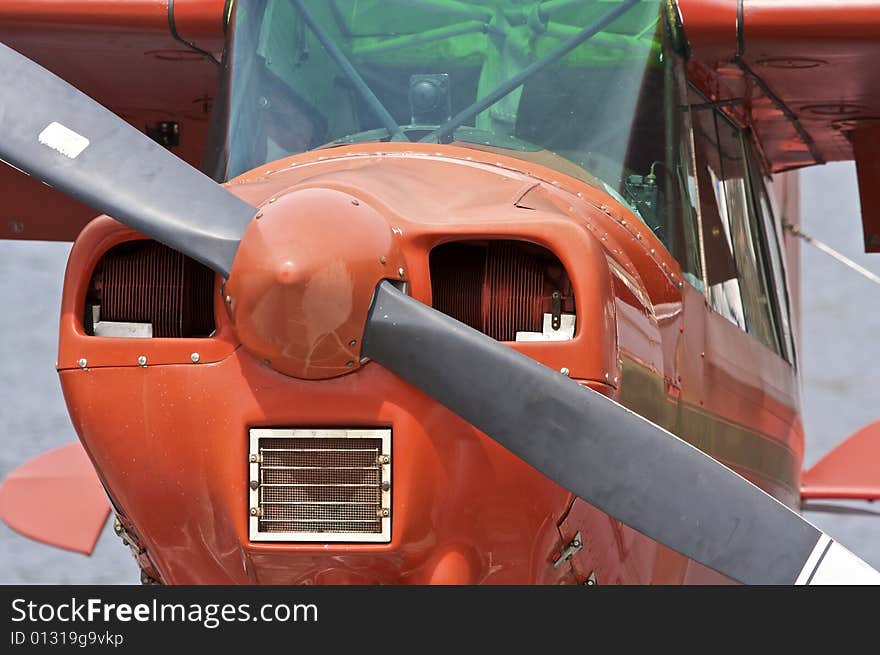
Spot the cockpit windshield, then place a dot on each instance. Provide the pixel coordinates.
(588, 83)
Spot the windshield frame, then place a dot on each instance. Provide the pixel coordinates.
(223, 138)
(659, 191)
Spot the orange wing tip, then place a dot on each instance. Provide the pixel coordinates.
(57, 499)
(849, 472)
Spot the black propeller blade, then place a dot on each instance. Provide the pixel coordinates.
(53, 132)
(609, 456)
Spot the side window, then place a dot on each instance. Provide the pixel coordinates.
(724, 292)
(764, 206)
(734, 241)
(679, 233)
(665, 197)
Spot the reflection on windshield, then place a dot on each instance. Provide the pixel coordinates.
(532, 74)
(588, 81)
(591, 88)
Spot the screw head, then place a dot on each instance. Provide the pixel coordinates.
(349, 363)
(195, 358)
(383, 259)
(386, 485)
(255, 484)
(564, 370)
(228, 299)
(253, 511)
(352, 343)
(142, 360)
(400, 271)
(83, 362)
(355, 202)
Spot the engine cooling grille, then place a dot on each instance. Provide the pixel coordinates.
(320, 485)
(498, 287)
(147, 282)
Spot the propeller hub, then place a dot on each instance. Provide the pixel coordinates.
(303, 280)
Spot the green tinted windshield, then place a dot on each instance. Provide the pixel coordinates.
(587, 84)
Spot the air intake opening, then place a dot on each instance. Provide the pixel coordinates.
(146, 289)
(509, 290)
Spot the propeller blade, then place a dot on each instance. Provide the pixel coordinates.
(57, 499)
(611, 457)
(52, 131)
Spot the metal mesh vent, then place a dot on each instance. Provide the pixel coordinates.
(320, 485)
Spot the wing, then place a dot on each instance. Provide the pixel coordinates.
(56, 498)
(803, 75)
(141, 62)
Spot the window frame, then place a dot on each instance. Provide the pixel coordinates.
(772, 269)
(772, 239)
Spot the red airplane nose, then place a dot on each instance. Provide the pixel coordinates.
(304, 277)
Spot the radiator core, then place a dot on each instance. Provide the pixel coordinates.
(147, 282)
(498, 287)
(320, 485)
